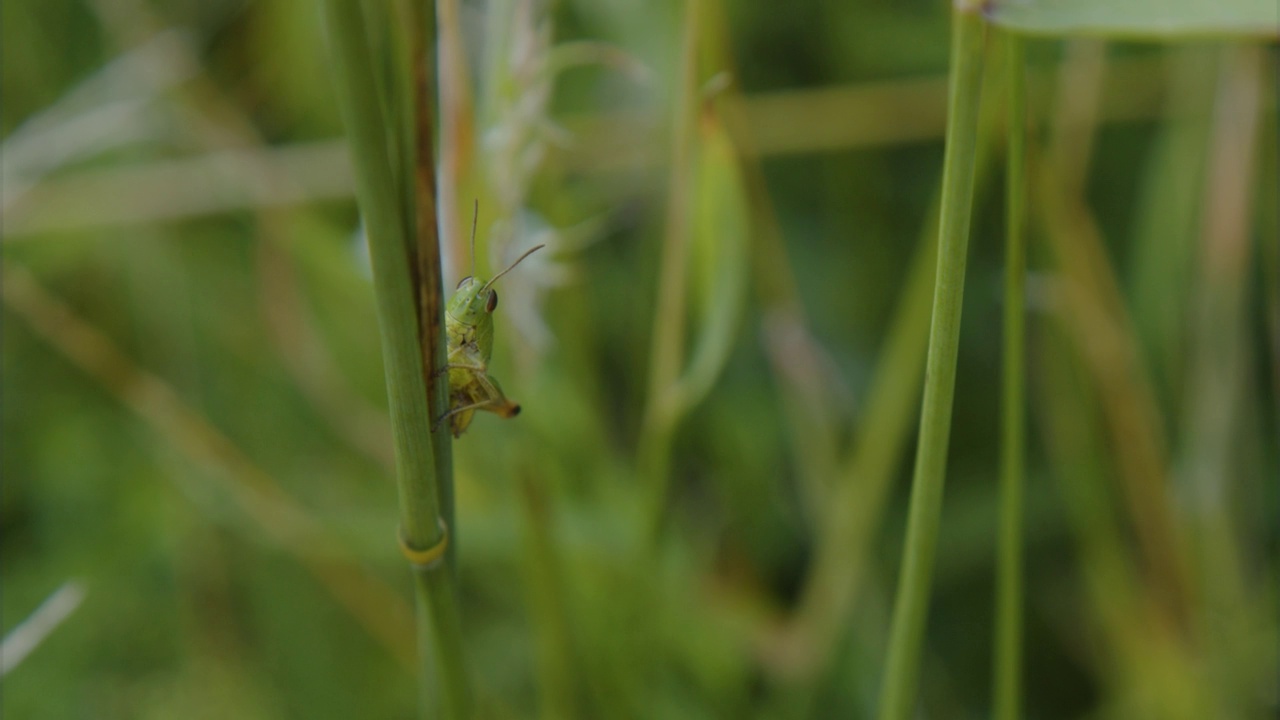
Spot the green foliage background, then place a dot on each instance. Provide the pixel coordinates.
(194, 407)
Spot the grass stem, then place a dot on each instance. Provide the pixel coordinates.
(898, 692)
(388, 227)
(1007, 681)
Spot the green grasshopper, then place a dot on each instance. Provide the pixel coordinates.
(468, 324)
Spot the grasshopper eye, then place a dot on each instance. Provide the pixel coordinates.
(492, 303)
(462, 282)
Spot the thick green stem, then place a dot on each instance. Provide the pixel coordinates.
(425, 223)
(1007, 688)
(381, 198)
(898, 692)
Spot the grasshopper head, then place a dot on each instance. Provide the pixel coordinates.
(475, 299)
(472, 301)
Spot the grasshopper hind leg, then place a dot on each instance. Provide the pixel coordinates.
(482, 393)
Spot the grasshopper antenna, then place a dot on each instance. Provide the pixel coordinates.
(475, 216)
(512, 266)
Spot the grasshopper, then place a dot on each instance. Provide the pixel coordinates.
(468, 322)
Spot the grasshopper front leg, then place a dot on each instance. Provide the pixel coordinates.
(463, 351)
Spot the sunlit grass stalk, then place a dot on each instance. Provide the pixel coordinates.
(1007, 682)
(457, 130)
(898, 692)
(371, 133)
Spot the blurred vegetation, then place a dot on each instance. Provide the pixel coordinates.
(700, 512)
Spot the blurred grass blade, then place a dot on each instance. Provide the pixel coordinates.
(1220, 371)
(1167, 214)
(854, 512)
(1146, 19)
(1075, 447)
(28, 634)
(1008, 641)
(1145, 669)
(719, 262)
(667, 341)
(558, 672)
(1099, 319)
(255, 493)
(898, 694)
(716, 283)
